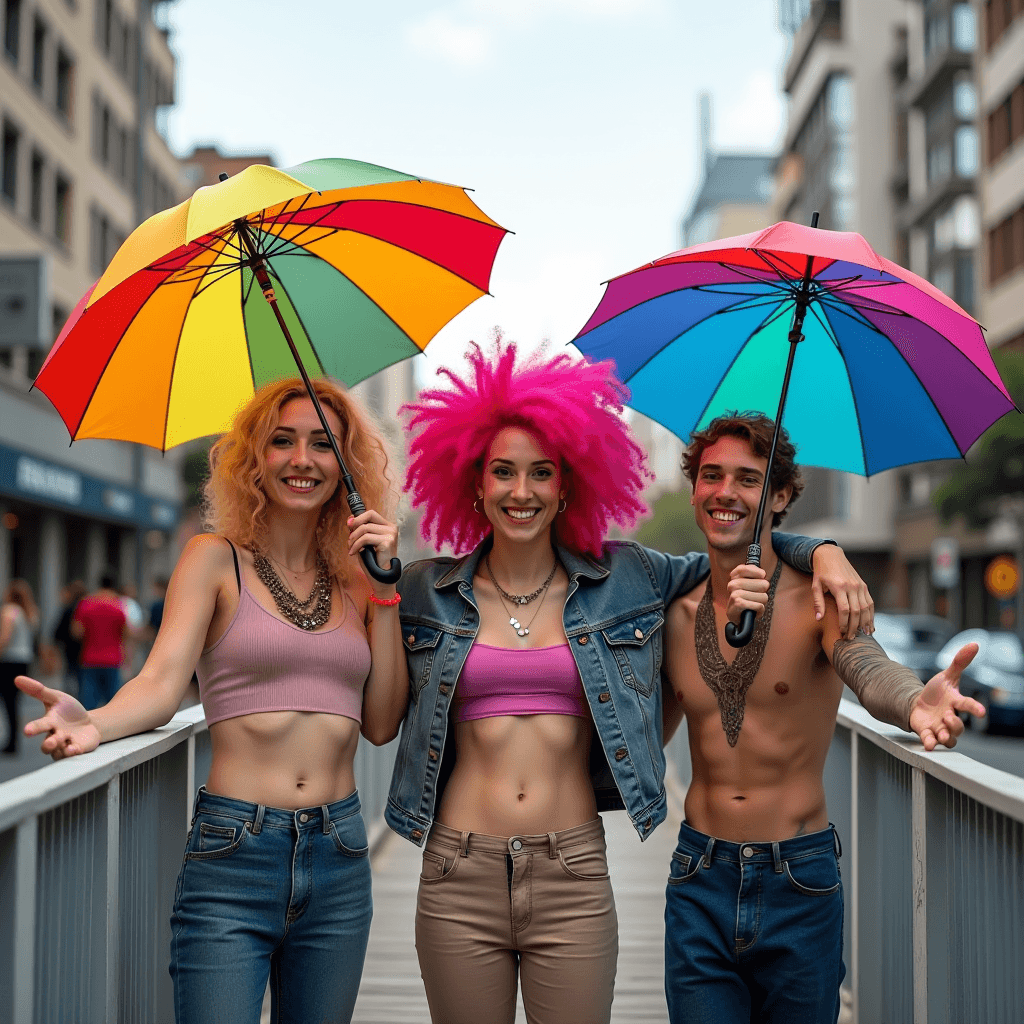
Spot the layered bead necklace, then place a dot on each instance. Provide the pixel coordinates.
(309, 614)
(521, 599)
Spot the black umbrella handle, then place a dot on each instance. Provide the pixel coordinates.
(741, 636)
(393, 573)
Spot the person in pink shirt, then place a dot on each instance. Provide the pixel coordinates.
(100, 623)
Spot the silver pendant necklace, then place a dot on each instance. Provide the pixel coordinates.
(541, 591)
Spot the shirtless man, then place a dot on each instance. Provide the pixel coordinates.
(754, 916)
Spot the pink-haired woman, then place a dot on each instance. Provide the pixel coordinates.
(534, 665)
(296, 653)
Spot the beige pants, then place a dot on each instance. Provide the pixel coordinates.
(538, 906)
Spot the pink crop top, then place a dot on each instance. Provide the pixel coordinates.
(499, 681)
(264, 664)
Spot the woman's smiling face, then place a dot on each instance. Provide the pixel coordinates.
(520, 487)
(302, 472)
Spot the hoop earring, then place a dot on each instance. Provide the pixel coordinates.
(475, 509)
(562, 509)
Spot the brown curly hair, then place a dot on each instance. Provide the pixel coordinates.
(756, 429)
(235, 505)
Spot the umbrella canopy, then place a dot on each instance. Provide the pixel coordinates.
(367, 264)
(890, 370)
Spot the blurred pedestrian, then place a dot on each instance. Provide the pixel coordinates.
(19, 620)
(70, 646)
(136, 628)
(100, 623)
(156, 609)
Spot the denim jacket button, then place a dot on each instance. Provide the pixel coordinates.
(443, 688)
(416, 834)
(638, 633)
(583, 639)
(432, 754)
(604, 698)
(411, 638)
(621, 753)
(647, 825)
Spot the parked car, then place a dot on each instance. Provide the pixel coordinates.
(995, 677)
(912, 640)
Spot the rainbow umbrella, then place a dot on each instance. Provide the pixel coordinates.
(336, 267)
(889, 371)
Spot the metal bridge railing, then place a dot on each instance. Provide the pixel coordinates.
(933, 870)
(90, 850)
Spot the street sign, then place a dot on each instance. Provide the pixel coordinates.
(1002, 577)
(945, 563)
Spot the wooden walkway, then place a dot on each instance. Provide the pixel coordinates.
(392, 992)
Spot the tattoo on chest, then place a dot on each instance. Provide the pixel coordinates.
(729, 683)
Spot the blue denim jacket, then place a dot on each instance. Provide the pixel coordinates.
(613, 614)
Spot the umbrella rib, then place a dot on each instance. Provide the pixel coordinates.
(298, 316)
(278, 219)
(243, 299)
(327, 210)
(725, 373)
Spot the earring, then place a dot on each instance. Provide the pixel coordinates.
(475, 509)
(562, 509)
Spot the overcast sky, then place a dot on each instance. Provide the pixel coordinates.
(574, 121)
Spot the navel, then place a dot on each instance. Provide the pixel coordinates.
(782, 689)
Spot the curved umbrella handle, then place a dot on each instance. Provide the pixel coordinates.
(739, 636)
(393, 573)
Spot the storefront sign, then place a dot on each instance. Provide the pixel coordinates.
(48, 481)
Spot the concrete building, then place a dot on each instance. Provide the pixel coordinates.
(838, 158)
(84, 88)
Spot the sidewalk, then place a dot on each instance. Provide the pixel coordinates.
(392, 992)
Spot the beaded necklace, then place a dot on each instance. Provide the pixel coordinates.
(309, 614)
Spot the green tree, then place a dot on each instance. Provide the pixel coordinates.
(195, 470)
(672, 528)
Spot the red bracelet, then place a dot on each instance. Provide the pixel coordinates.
(386, 603)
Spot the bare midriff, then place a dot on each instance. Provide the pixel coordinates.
(286, 759)
(520, 775)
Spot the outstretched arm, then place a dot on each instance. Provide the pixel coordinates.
(892, 693)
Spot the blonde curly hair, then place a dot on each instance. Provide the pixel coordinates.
(235, 505)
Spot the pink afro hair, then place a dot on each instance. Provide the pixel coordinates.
(570, 405)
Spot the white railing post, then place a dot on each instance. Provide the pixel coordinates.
(24, 967)
(854, 847)
(112, 899)
(919, 881)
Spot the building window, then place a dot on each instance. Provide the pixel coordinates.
(999, 15)
(1006, 124)
(10, 161)
(965, 28)
(965, 99)
(38, 51)
(65, 83)
(1006, 246)
(12, 28)
(62, 209)
(940, 163)
(38, 172)
(963, 285)
(966, 151)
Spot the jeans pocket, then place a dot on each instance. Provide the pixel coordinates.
(680, 870)
(586, 862)
(349, 836)
(438, 868)
(209, 842)
(815, 876)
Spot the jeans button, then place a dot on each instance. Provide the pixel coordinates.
(517, 845)
(747, 851)
(303, 818)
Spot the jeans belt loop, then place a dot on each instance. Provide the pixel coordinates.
(777, 857)
(464, 845)
(327, 819)
(837, 844)
(709, 852)
(552, 845)
(257, 825)
(195, 803)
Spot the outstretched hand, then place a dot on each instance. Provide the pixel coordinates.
(834, 573)
(934, 716)
(68, 726)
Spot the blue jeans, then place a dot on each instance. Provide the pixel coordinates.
(270, 893)
(97, 685)
(754, 931)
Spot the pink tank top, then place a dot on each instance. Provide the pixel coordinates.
(499, 681)
(264, 664)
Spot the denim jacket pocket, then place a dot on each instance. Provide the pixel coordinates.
(209, 842)
(680, 871)
(420, 646)
(635, 644)
(816, 875)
